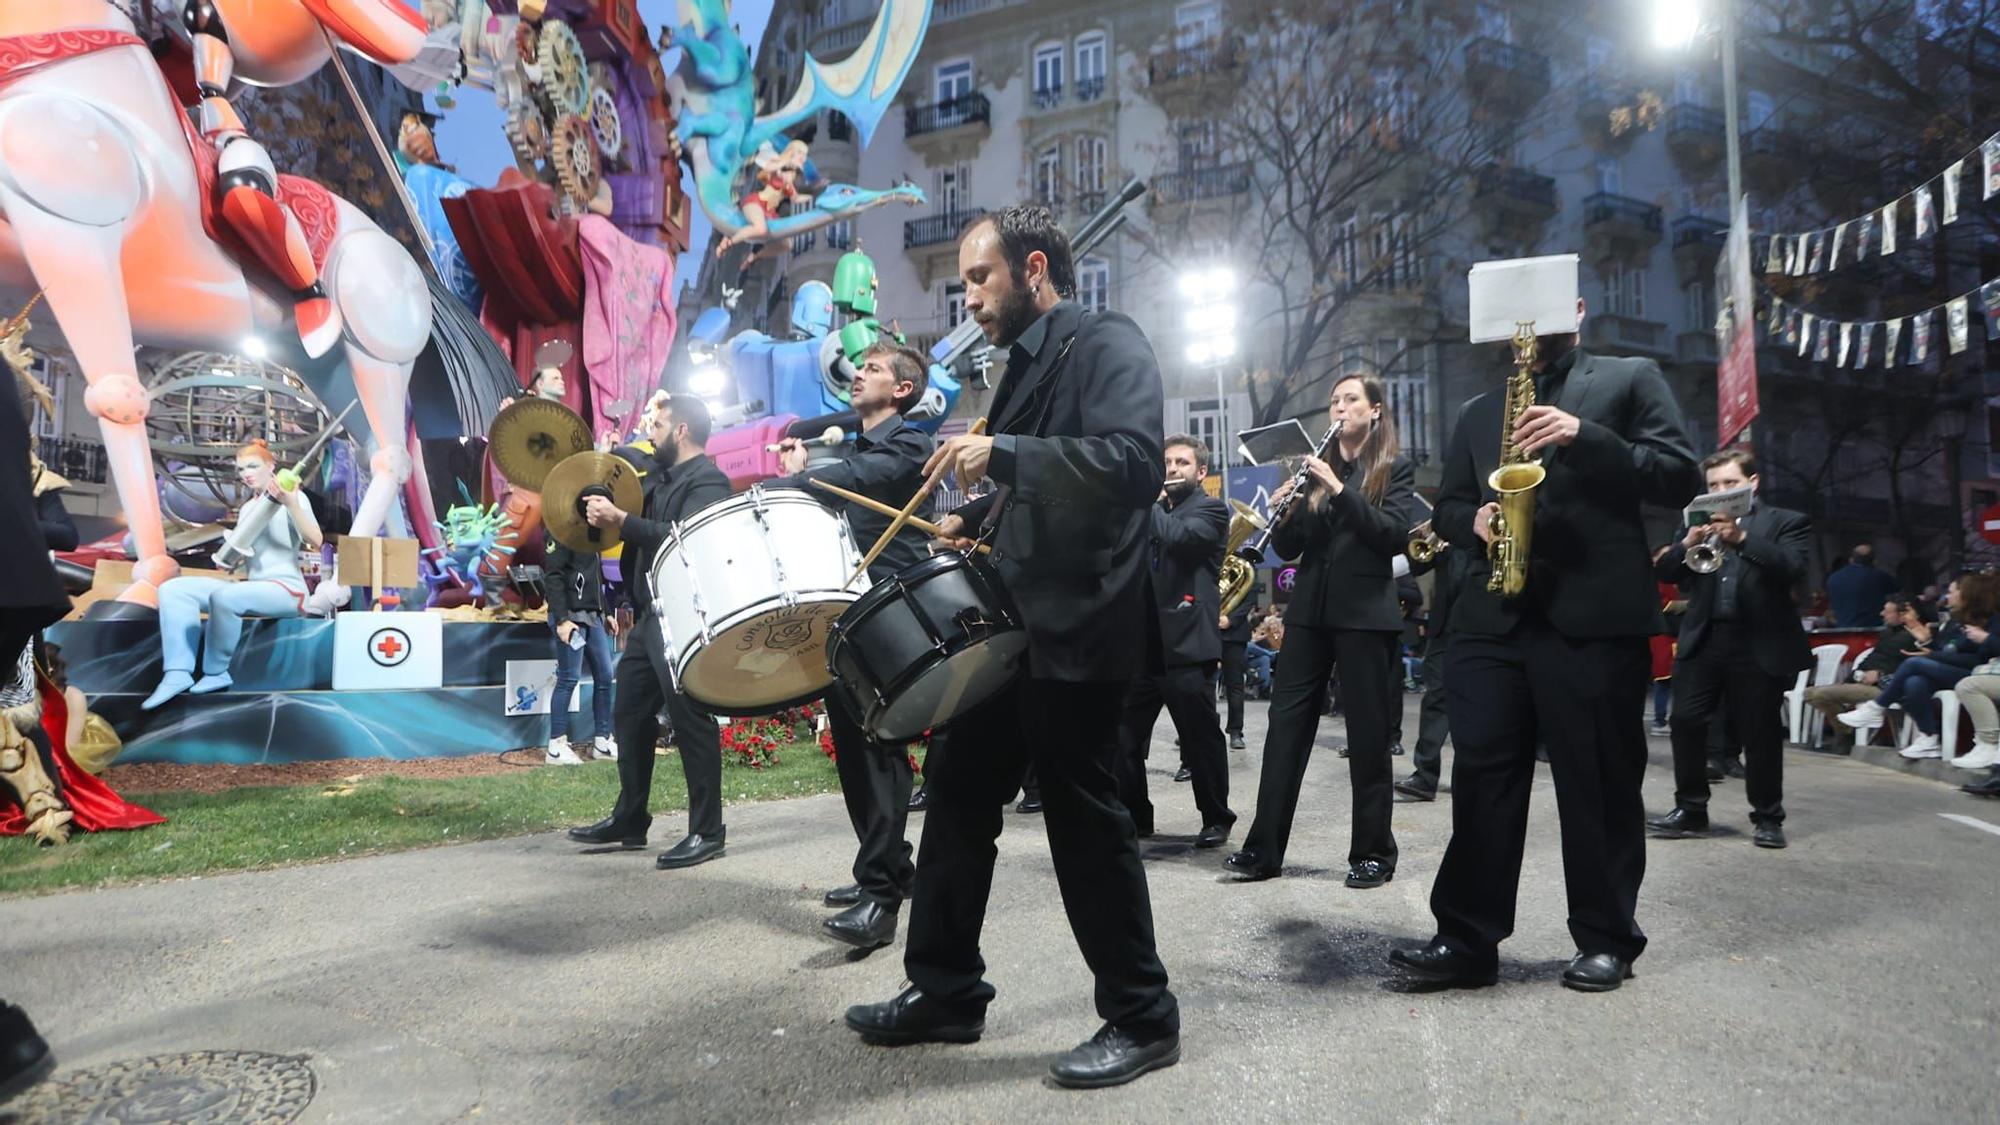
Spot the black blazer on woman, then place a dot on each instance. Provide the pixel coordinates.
(1346, 549)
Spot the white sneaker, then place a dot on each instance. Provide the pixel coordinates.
(606, 747)
(327, 598)
(1982, 756)
(1923, 746)
(560, 754)
(1867, 716)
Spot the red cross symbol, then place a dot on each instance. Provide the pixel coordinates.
(388, 647)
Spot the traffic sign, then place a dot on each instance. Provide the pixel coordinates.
(1989, 524)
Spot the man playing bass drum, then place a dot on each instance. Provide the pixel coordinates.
(1348, 526)
(1565, 662)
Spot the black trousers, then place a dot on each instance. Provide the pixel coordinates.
(1724, 678)
(1433, 717)
(1584, 700)
(1070, 732)
(875, 783)
(1235, 657)
(1298, 691)
(1188, 698)
(644, 686)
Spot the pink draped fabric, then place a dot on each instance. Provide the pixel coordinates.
(628, 318)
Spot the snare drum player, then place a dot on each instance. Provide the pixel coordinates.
(682, 482)
(1076, 448)
(887, 465)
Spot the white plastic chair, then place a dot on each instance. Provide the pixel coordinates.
(1948, 708)
(1825, 669)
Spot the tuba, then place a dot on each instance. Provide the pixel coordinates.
(1511, 532)
(1239, 575)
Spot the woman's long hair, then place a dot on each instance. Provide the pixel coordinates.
(1378, 453)
(1978, 598)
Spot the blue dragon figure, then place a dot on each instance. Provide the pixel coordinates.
(722, 135)
(471, 535)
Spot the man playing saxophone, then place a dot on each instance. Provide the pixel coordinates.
(1564, 661)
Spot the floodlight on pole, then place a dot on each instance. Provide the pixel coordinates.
(1675, 22)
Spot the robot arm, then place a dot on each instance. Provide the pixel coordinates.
(214, 66)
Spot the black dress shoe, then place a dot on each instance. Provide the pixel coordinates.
(1410, 789)
(1369, 873)
(608, 831)
(865, 925)
(1183, 774)
(843, 896)
(1442, 964)
(1236, 741)
(1212, 836)
(1029, 805)
(25, 1058)
(1989, 787)
(1679, 824)
(1769, 835)
(920, 800)
(690, 851)
(1596, 972)
(1716, 772)
(1113, 1057)
(1249, 863)
(913, 1017)
(1396, 750)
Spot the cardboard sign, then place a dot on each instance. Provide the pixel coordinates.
(357, 558)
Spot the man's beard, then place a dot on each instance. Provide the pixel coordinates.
(666, 452)
(1017, 313)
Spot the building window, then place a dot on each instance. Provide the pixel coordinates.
(1048, 177)
(949, 188)
(1197, 145)
(1048, 75)
(840, 235)
(1204, 422)
(953, 80)
(1090, 54)
(1093, 284)
(1395, 103)
(1610, 177)
(1090, 153)
(1347, 251)
(1700, 305)
(1625, 291)
(954, 304)
(1406, 376)
(1197, 25)
(838, 127)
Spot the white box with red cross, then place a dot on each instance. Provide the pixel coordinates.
(376, 651)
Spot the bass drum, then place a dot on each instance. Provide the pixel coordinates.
(926, 646)
(747, 592)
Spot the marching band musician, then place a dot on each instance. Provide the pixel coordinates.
(1077, 450)
(1566, 662)
(1190, 529)
(887, 465)
(1353, 521)
(683, 481)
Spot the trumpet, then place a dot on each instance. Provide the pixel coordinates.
(1424, 543)
(1705, 557)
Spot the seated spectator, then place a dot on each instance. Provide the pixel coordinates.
(1979, 694)
(1265, 642)
(1969, 639)
(1903, 629)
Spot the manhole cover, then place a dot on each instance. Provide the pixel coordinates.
(199, 1088)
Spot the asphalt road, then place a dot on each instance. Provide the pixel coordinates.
(1849, 978)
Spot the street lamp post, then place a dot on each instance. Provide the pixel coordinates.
(1211, 320)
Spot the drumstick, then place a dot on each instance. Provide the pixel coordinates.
(882, 509)
(903, 517)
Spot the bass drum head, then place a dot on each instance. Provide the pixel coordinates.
(951, 687)
(764, 661)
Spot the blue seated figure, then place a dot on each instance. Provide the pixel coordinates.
(267, 547)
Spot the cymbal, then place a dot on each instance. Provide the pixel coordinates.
(566, 482)
(533, 436)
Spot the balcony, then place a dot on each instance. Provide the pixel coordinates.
(1183, 79)
(1049, 97)
(1696, 134)
(1501, 76)
(1089, 89)
(933, 230)
(1698, 241)
(1597, 98)
(1696, 348)
(1514, 195)
(1627, 335)
(1620, 226)
(1221, 182)
(968, 117)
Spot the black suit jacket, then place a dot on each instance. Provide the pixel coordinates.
(888, 466)
(1590, 572)
(671, 497)
(1078, 455)
(1773, 553)
(1347, 549)
(1187, 559)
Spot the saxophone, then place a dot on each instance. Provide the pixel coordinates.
(1511, 531)
(1239, 575)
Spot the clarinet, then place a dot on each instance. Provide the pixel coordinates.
(1255, 548)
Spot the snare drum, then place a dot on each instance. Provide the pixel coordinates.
(926, 646)
(747, 591)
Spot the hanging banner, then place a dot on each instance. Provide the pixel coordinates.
(1736, 332)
